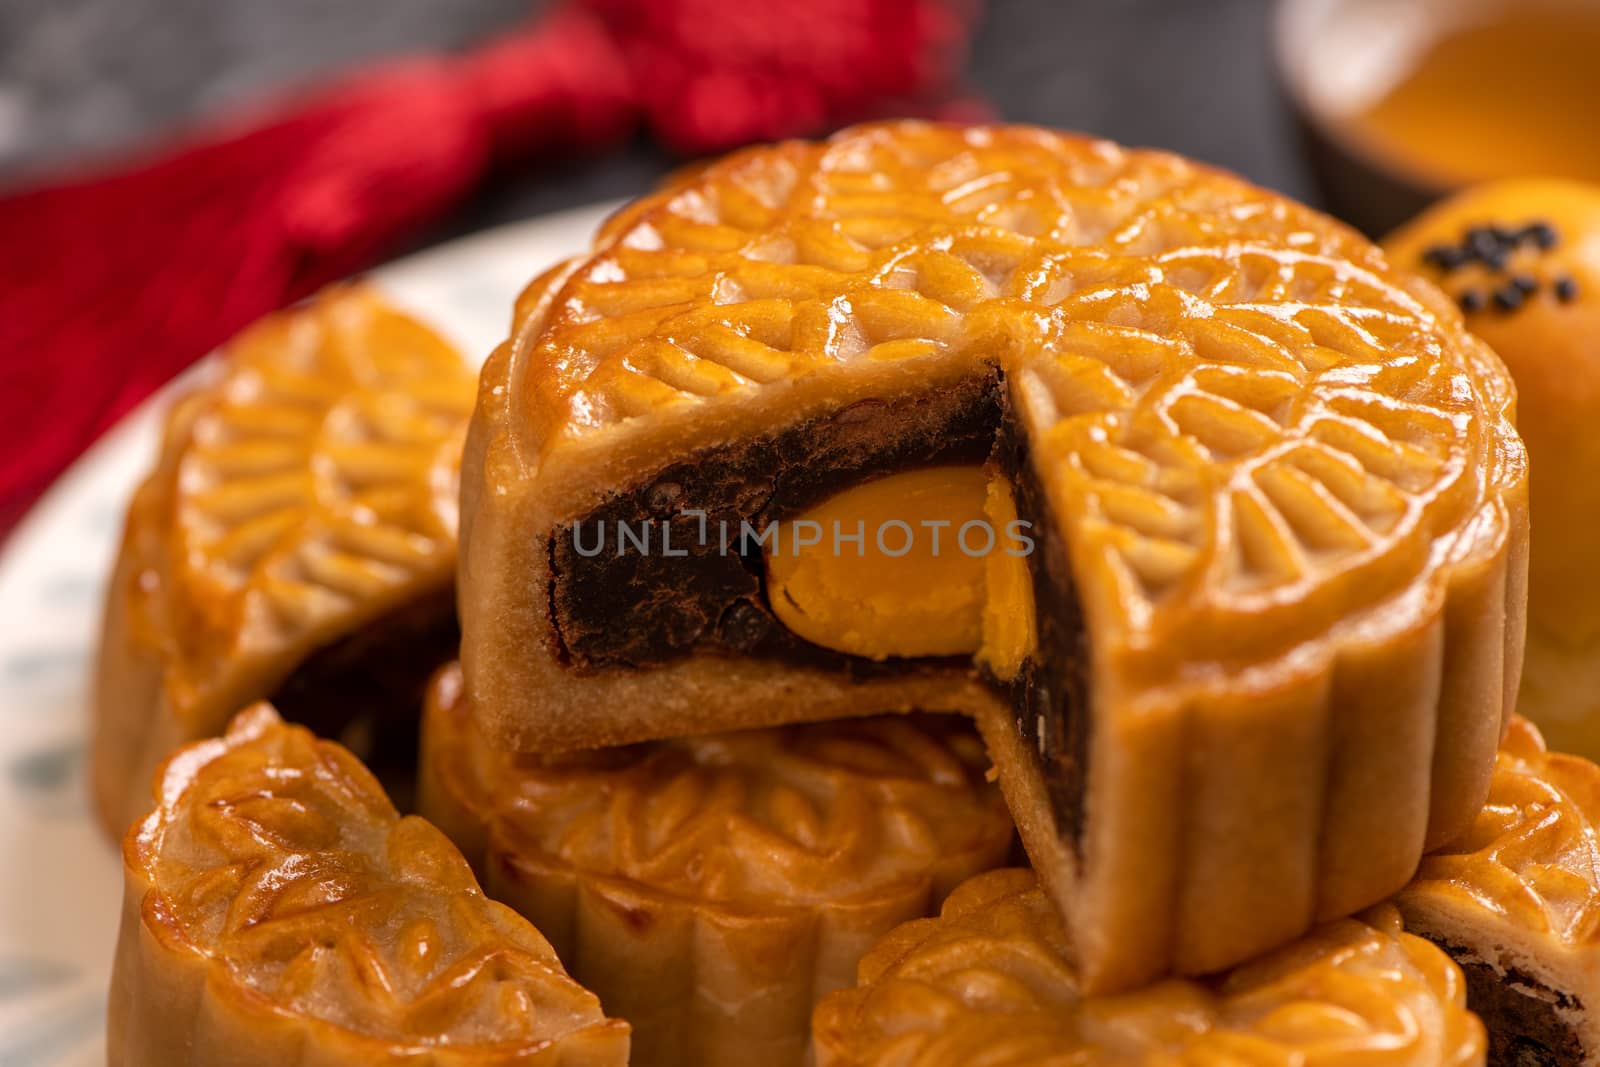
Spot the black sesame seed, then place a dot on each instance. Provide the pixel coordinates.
(1470, 300)
(1542, 234)
(1506, 235)
(1508, 297)
(1566, 289)
(743, 626)
(1526, 282)
(663, 496)
(1496, 259)
(1483, 244)
(1446, 257)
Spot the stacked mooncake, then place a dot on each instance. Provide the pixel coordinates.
(1227, 623)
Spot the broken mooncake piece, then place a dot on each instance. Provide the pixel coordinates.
(1250, 509)
(296, 541)
(1517, 904)
(710, 889)
(990, 982)
(279, 911)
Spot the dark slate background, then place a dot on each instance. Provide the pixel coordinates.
(82, 77)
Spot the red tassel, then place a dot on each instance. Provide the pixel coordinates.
(111, 284)
(714, 74)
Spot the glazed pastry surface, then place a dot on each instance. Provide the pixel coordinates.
(1533, 856)
(1522, 258)
(1261, 427)
(305, 493)
(1280, 503)
(710, 888)
(989, 982)
(279, 911)
(1517, 902)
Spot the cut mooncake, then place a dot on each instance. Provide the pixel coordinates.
(296, 540)
(989, 982)
(278, 911)
(1522, 258)
(1235, 472)
(711, 888)
(1517, 904)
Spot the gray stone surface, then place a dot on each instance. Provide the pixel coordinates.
(81, 77)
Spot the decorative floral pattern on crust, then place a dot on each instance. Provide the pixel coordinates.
(1533, 856)
(988, 983)
(276, 861)
(1244, 410)
(308, 489)
(792, 816)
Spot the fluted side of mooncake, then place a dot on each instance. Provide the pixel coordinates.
(304, 493)
(710, 889)
(279, 912)
(989, 982)
(1517, 902)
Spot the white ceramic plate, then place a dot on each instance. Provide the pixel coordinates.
(60, 879)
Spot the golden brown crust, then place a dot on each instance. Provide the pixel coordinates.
(305, 491)
(1288, 475)
(279, 911)
(750, 870)
(1533, 856)
(1521, 891)
(989, 982)
(1550, 341)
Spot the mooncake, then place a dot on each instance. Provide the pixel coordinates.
(711, 888)
(1522, 259)
(1517, 904)
(1231, 470)
(296, 540)
(989, 982)
(279, 912)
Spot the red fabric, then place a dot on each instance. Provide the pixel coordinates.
(112, 283)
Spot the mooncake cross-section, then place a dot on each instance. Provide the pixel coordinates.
(296, 541)
(279, 911)
(1256, 650)
(1516, 902)
(990, 982)
(710, 889)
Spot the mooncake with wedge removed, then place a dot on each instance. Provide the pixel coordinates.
(1249, 503)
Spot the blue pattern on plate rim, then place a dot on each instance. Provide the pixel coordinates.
(30, 665)
(45, 1039)
(54, 959)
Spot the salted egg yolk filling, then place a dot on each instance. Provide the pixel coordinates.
(929, 562)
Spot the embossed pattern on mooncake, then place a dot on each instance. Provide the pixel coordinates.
(279, 911)
(304, 493)
(988, 982)
(710, 888)
(1517, 902)
(1533, 856)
